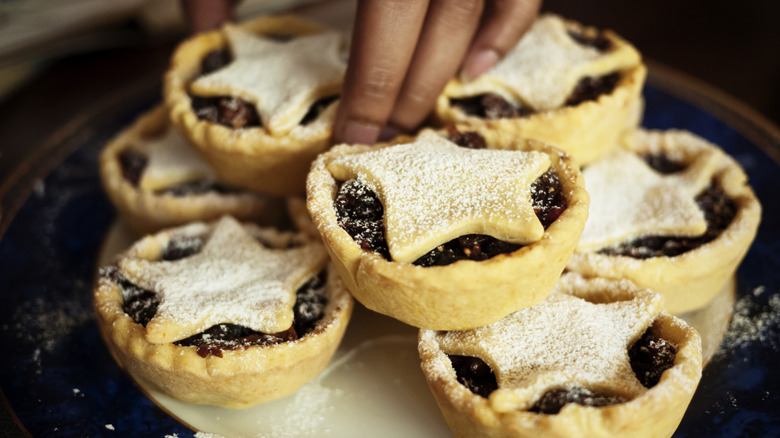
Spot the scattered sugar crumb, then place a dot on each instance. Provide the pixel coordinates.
(36, 359)
(39, 188)
(110, 426)
(754, 321)
(47, 323)
(76, 391)
(175, 435)
(302, 423)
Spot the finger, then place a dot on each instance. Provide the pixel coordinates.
(204, 15)
(383, 42)
(448, 30)
(504, 23)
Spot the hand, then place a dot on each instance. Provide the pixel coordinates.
(203, 15)
(404, 52)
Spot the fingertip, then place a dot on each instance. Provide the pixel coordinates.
(204, 15)
(388, 133)
(478, 62)
(503, 25)
(354, 131)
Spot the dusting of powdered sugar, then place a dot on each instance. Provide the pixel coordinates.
(47, 324)
(753, 322)
(544, 67)
(171, 161)
(233, 279)
(305, 422)
(281, 78)
(563, 340)
(433, 191)
(629, 199)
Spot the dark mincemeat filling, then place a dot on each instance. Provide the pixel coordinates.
(308, 309)
(235, 112)
(360, 214)
(590, 88)
(197, 187)
(552, 401)
(226, 110)
(650, 356)
(141, 305)
(133, 164)
(215, 60)
(719, 211)
(468, 140)
(664, 164)
(181, 246)
(598, 41)
(492, 106)
(474, 374)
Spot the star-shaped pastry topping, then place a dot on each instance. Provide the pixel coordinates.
(563, 341)
(171, 161)
(282, 79)
(630, 199)
(544, 67)
(434, 191)
(233, 279)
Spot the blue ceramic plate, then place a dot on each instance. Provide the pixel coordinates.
(58, 378)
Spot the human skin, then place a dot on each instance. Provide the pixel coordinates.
(403, 52)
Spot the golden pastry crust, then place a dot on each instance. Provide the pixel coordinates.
(147, 212)
(460, 295)
(690, 280)
(586, 131)
(249, 157)
(299, 215)
(241, 377)
(655, 413)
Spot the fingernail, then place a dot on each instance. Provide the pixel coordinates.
(388, 133)
(478, 63)
(358, 132)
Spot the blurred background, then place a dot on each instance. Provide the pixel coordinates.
(59, 56)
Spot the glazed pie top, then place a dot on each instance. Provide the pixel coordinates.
(541, 71)
(281, 78)
(433, 191)
(630, 199)
(233, 279)
(170, 161)
(565, 340)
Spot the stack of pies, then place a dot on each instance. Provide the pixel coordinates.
(545, 294)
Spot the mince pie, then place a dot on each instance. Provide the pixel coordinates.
(575, 87)
(672, 213)
(299, 216)
(223, 314)
(437, 231)
(596, 358)
(258, 98)
(156, 180)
